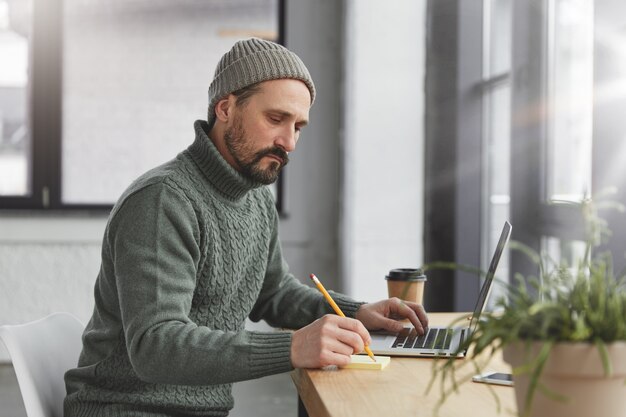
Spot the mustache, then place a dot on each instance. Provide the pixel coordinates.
(273, 151)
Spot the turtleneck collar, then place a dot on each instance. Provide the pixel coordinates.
(226, 179)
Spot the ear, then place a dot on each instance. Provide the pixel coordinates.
(224, 108)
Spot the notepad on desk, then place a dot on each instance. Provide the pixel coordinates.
(365, 362)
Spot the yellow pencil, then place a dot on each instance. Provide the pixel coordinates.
(335, 307)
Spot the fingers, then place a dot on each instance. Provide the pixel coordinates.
(385, 314)
(328, 341)
(348, 332)
(330, 357)
(412, 311)
(353, 326)
(419, 312)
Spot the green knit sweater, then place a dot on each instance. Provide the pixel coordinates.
(190, 250)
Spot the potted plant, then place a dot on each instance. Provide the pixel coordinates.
(563, 333)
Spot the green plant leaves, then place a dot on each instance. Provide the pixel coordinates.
(584, 303)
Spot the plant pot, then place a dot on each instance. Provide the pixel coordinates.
(573, 370)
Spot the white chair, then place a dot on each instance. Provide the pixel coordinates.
(41, 352)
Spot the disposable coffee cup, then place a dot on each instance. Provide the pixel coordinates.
(406, 284)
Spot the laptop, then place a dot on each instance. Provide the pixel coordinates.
(440, 341)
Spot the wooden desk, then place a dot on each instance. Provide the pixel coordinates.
(398, 390)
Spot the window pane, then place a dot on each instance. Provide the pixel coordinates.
(15, 18)
(496, 133)
(570, 88)
(562, 253)
(499, 39)
(135, 77)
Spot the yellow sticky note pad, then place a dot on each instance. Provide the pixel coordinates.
(365, 362)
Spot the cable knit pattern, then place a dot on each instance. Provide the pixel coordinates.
(190, 250)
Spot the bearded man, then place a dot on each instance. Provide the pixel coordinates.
(191, 249)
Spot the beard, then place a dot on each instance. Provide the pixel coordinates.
(242, 150)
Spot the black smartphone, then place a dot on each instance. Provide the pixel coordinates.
(498, 378)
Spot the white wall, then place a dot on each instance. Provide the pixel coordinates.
(382, 212)
(47, 264)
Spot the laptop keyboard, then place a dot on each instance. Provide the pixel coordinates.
(431, 339)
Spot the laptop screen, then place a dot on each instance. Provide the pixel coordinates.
(486, 287)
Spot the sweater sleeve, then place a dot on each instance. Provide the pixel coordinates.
(286, 302)
(153, 239)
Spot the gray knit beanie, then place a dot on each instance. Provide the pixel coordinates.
(251, 61)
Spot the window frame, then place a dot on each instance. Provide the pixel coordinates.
(45, 106)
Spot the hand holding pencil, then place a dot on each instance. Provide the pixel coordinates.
(336, 308)
(329, 340)
(333, 338)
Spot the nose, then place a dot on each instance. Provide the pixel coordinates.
(287, 139)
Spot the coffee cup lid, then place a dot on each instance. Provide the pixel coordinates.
(406, 274)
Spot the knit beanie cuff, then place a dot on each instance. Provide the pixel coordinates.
(260, 66)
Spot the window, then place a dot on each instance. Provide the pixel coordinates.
(524, 110)
(569, 87)
(115, 90)
(569, 76)
(557, 62)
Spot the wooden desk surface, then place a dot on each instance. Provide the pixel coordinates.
(399, 390)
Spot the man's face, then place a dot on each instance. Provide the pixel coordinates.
(266, 128)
